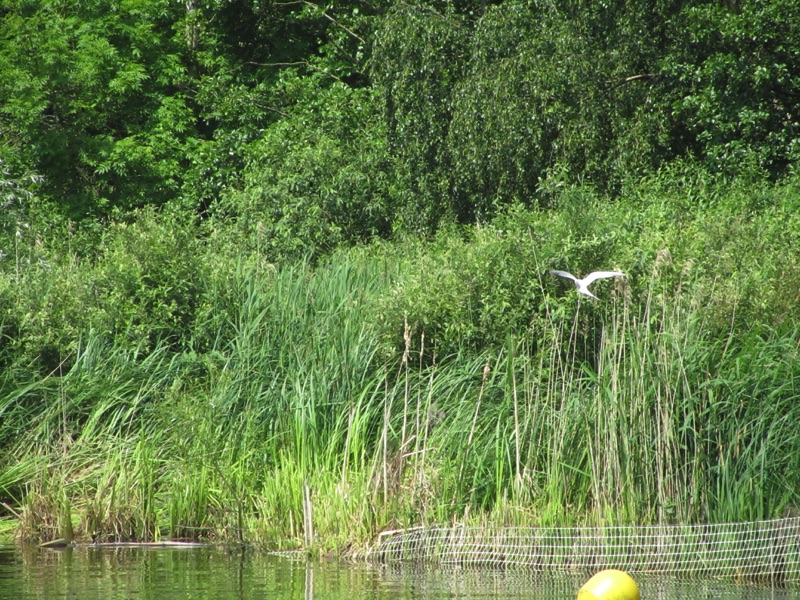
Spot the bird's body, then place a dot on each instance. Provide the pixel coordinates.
(583, 284)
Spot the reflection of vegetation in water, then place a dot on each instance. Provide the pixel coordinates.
(91, 572)
(408, 384)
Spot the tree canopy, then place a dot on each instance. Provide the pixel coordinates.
(339, 122)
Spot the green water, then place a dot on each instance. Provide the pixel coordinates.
(198, 573)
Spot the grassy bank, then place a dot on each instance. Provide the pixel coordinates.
(163, 387)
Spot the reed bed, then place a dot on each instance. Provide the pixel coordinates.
(291, 421)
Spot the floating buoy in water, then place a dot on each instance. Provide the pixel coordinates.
(609, 585)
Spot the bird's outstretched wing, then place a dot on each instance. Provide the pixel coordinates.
(601, 275)
(564, 274)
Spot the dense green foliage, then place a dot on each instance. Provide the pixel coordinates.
(253, 254)
(349, 121)
(195, 393)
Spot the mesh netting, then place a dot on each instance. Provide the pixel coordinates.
(752, 551)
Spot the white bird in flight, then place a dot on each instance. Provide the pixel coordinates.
(583, 284)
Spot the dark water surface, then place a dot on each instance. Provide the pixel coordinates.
(89, 573)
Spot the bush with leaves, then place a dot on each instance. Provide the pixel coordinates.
(481, 110)
(316, 179)
(150, 280)
(141, 287)
(737, 79)
(417, 58)
(123, 106)
(731, 248)
(83, 88)
(483, 106)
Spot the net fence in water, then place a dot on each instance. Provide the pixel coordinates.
(751, 551)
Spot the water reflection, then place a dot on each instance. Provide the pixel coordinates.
(208, 572)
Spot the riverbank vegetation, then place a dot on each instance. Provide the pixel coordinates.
(289, 284)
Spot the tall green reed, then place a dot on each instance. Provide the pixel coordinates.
(666, 419)
(290, 426)
(672, 420)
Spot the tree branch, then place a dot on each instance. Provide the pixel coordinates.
(637, 78)
(335, 22)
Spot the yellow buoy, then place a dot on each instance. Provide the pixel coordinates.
(609, 585)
